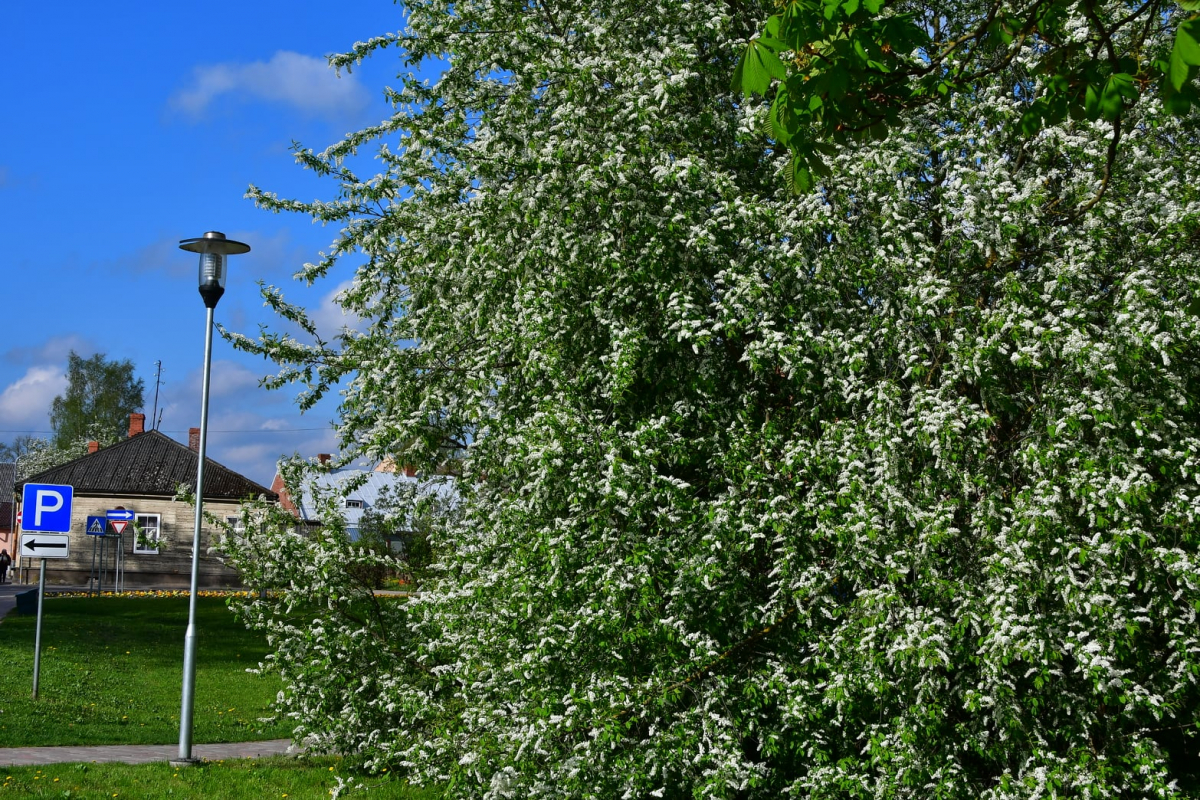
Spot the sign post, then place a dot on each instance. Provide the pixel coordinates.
(45, 523)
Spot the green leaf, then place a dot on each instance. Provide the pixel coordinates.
(1056, 108)
(839, 81)
(1185, 42)
(850, 6)
(757, 67)
(1122, 83)
(1115, 88)
(1190, 5)
(773, 25)
(1178, 103)
(873, 6)
(739, 73)
(784, 121)
(800, 179)
(1091, 102)
(771, 62)
(1031, 121)
(1179, 70)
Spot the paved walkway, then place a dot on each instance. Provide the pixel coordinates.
(126, 753)
(139, 753)
(9, 590)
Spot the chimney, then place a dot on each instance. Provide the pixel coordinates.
(137, 424)
(194, 439)
(93, 447)
(410, 471)
(323, 457)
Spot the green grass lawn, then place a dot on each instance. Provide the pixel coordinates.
(112, 671)
(254, 779)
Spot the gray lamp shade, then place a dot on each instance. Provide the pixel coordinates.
(213, 248)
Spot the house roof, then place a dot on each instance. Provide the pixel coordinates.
(149, 464)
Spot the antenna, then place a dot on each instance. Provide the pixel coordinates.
(155, 415)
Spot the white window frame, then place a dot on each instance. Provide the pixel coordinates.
(146, 526)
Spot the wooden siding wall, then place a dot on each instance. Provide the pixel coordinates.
(169, 568)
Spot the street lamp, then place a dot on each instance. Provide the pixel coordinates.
(214, 249)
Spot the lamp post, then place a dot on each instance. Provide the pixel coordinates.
(214, 249)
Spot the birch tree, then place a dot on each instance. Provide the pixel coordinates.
(888, 490)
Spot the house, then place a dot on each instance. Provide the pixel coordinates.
(8, 508)
(357, 491)
(141, 474)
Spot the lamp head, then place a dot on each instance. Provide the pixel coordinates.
(213, 248)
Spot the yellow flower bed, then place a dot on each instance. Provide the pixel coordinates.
(157, 593)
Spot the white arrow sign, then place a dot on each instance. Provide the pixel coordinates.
(120, 514)
(46, 545)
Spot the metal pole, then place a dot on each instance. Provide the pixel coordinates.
(120, 579)
(189, 639)
(37, 637)
(92, 583)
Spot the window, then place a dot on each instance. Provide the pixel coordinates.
(354, 504)
(146, 533)
(235, 524)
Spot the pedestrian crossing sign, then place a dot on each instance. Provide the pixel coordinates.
(96, 526)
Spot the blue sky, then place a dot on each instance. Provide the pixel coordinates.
(132, 126)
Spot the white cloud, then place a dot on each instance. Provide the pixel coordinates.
(330, 317)
(26, 402)
(229, 378)
(302, 82)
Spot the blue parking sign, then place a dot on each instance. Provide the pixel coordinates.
(46, 508)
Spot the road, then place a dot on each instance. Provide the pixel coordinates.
(7, 595)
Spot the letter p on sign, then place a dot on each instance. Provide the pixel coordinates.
(46, 507)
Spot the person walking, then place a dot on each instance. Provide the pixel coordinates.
(5, 562)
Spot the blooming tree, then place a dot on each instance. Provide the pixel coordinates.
(848, 68)
(884, 490)
(34, 454)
